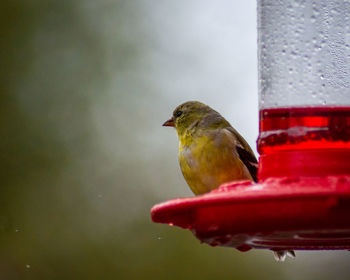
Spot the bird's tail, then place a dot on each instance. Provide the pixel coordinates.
(280, 256)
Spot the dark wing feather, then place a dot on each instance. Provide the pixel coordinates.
(249, 161)
(245, 154)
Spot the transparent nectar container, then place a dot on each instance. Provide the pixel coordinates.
(304, 87)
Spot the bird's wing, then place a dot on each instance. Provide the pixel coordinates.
(246, 154)
(249, 161)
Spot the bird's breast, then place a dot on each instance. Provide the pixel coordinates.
(208, 161)
(198, 161)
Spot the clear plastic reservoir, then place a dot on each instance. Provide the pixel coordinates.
(304, 75)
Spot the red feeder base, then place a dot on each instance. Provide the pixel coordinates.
(309, 213)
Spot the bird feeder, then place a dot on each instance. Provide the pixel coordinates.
(302, 199)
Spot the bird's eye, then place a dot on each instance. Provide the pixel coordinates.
(178, 114)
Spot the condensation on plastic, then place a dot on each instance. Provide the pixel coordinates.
(304, 53)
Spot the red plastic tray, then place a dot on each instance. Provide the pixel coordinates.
(300, 213)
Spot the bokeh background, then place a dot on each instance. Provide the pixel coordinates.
(85, 87)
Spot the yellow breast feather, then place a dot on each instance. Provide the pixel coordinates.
(209, 160)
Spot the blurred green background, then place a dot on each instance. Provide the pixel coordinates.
(85, 87)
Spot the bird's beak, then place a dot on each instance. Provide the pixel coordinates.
(169, 122)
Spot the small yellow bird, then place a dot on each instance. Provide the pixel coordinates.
(211, 151)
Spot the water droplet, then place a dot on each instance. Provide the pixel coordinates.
(171, 224)
(28, 266)
(294, 54)
(317, 47)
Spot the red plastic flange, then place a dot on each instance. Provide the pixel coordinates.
(301, 202)
(278, 214)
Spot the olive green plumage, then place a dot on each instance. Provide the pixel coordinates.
(211, 151)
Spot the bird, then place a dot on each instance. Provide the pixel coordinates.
(211, 151)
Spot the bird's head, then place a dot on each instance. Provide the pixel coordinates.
(194, 115)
